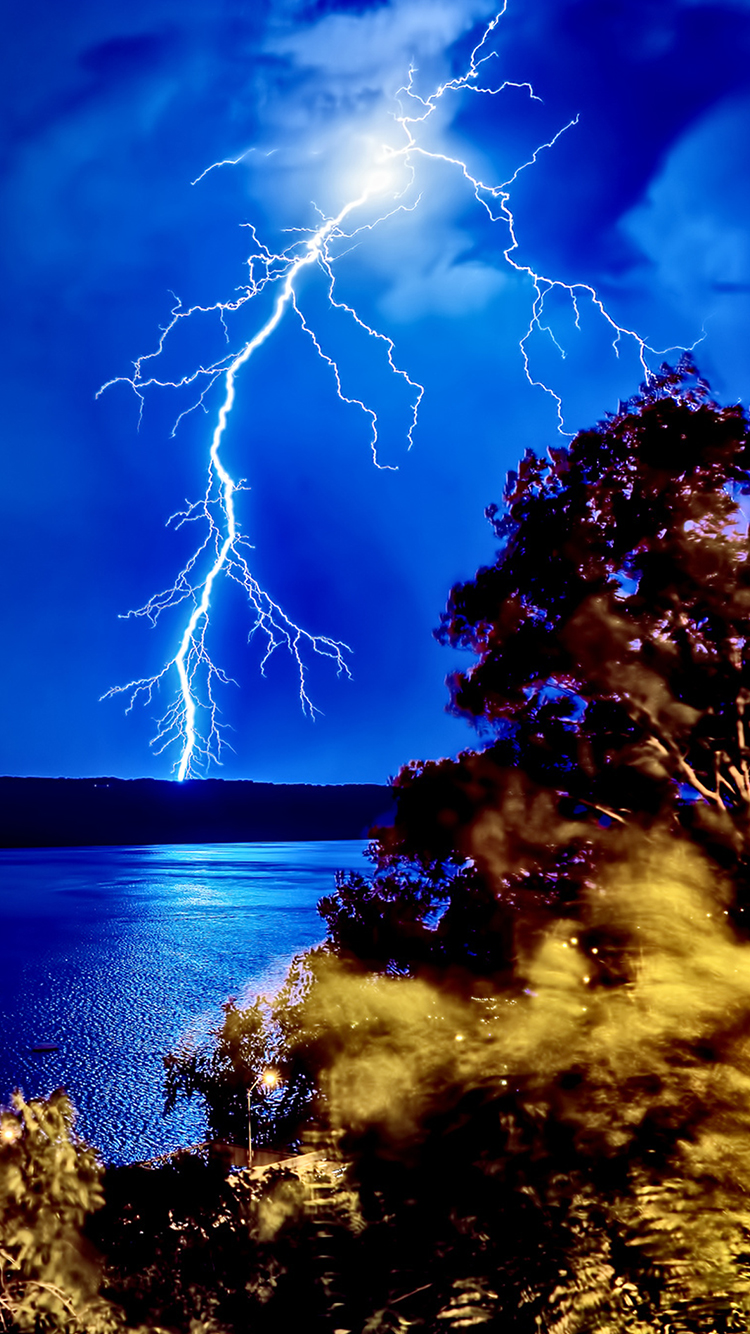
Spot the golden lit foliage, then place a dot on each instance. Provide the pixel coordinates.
(49, 1182)
(623, 1056)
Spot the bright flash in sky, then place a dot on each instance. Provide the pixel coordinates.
(386, 185)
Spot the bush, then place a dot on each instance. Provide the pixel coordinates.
(50, 1181)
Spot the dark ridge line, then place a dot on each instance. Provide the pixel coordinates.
(101, 812)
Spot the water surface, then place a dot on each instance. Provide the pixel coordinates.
(112, 954)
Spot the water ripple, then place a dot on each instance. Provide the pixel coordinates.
(112, 954)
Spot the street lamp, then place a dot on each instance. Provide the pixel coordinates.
(270, 1079)
(10, 1131)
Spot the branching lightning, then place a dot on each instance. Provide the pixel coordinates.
(192, 721)
(223, 538)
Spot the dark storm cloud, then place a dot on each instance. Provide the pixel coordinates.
(126, 57)
(639, 75)
(318, 8)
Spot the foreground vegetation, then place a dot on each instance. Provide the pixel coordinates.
(525, 1046)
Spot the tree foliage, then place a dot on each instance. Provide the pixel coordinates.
(229, 1067)
(574, 1149)
(406, 919)
(50, 1181)
(611, 632)
(611, 673)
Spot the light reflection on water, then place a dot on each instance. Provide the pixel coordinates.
(114, 953)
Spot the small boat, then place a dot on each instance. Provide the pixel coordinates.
(43, 1047)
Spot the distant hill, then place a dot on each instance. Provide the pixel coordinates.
(86, 812)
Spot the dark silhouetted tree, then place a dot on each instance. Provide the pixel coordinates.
(610, 683)
(230, 1064)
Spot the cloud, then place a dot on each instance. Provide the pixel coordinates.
(691, 229)
(375, 48)
(447, 289)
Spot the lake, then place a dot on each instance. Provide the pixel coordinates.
(113, 954)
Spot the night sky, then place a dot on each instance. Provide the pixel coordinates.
(110, 111)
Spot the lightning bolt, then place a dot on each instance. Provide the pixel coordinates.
(217, 508)
(192, 721)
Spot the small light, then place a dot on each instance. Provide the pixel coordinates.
(574, 940)
(270, 1078)
(587, 979)
(459, 1037)
(595, 950)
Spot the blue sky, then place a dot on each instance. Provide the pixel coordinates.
(109, 112)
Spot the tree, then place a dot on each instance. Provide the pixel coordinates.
(410, 917)
(611, 676)
(589, 1134)
(227, 1070)
(612, 631)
